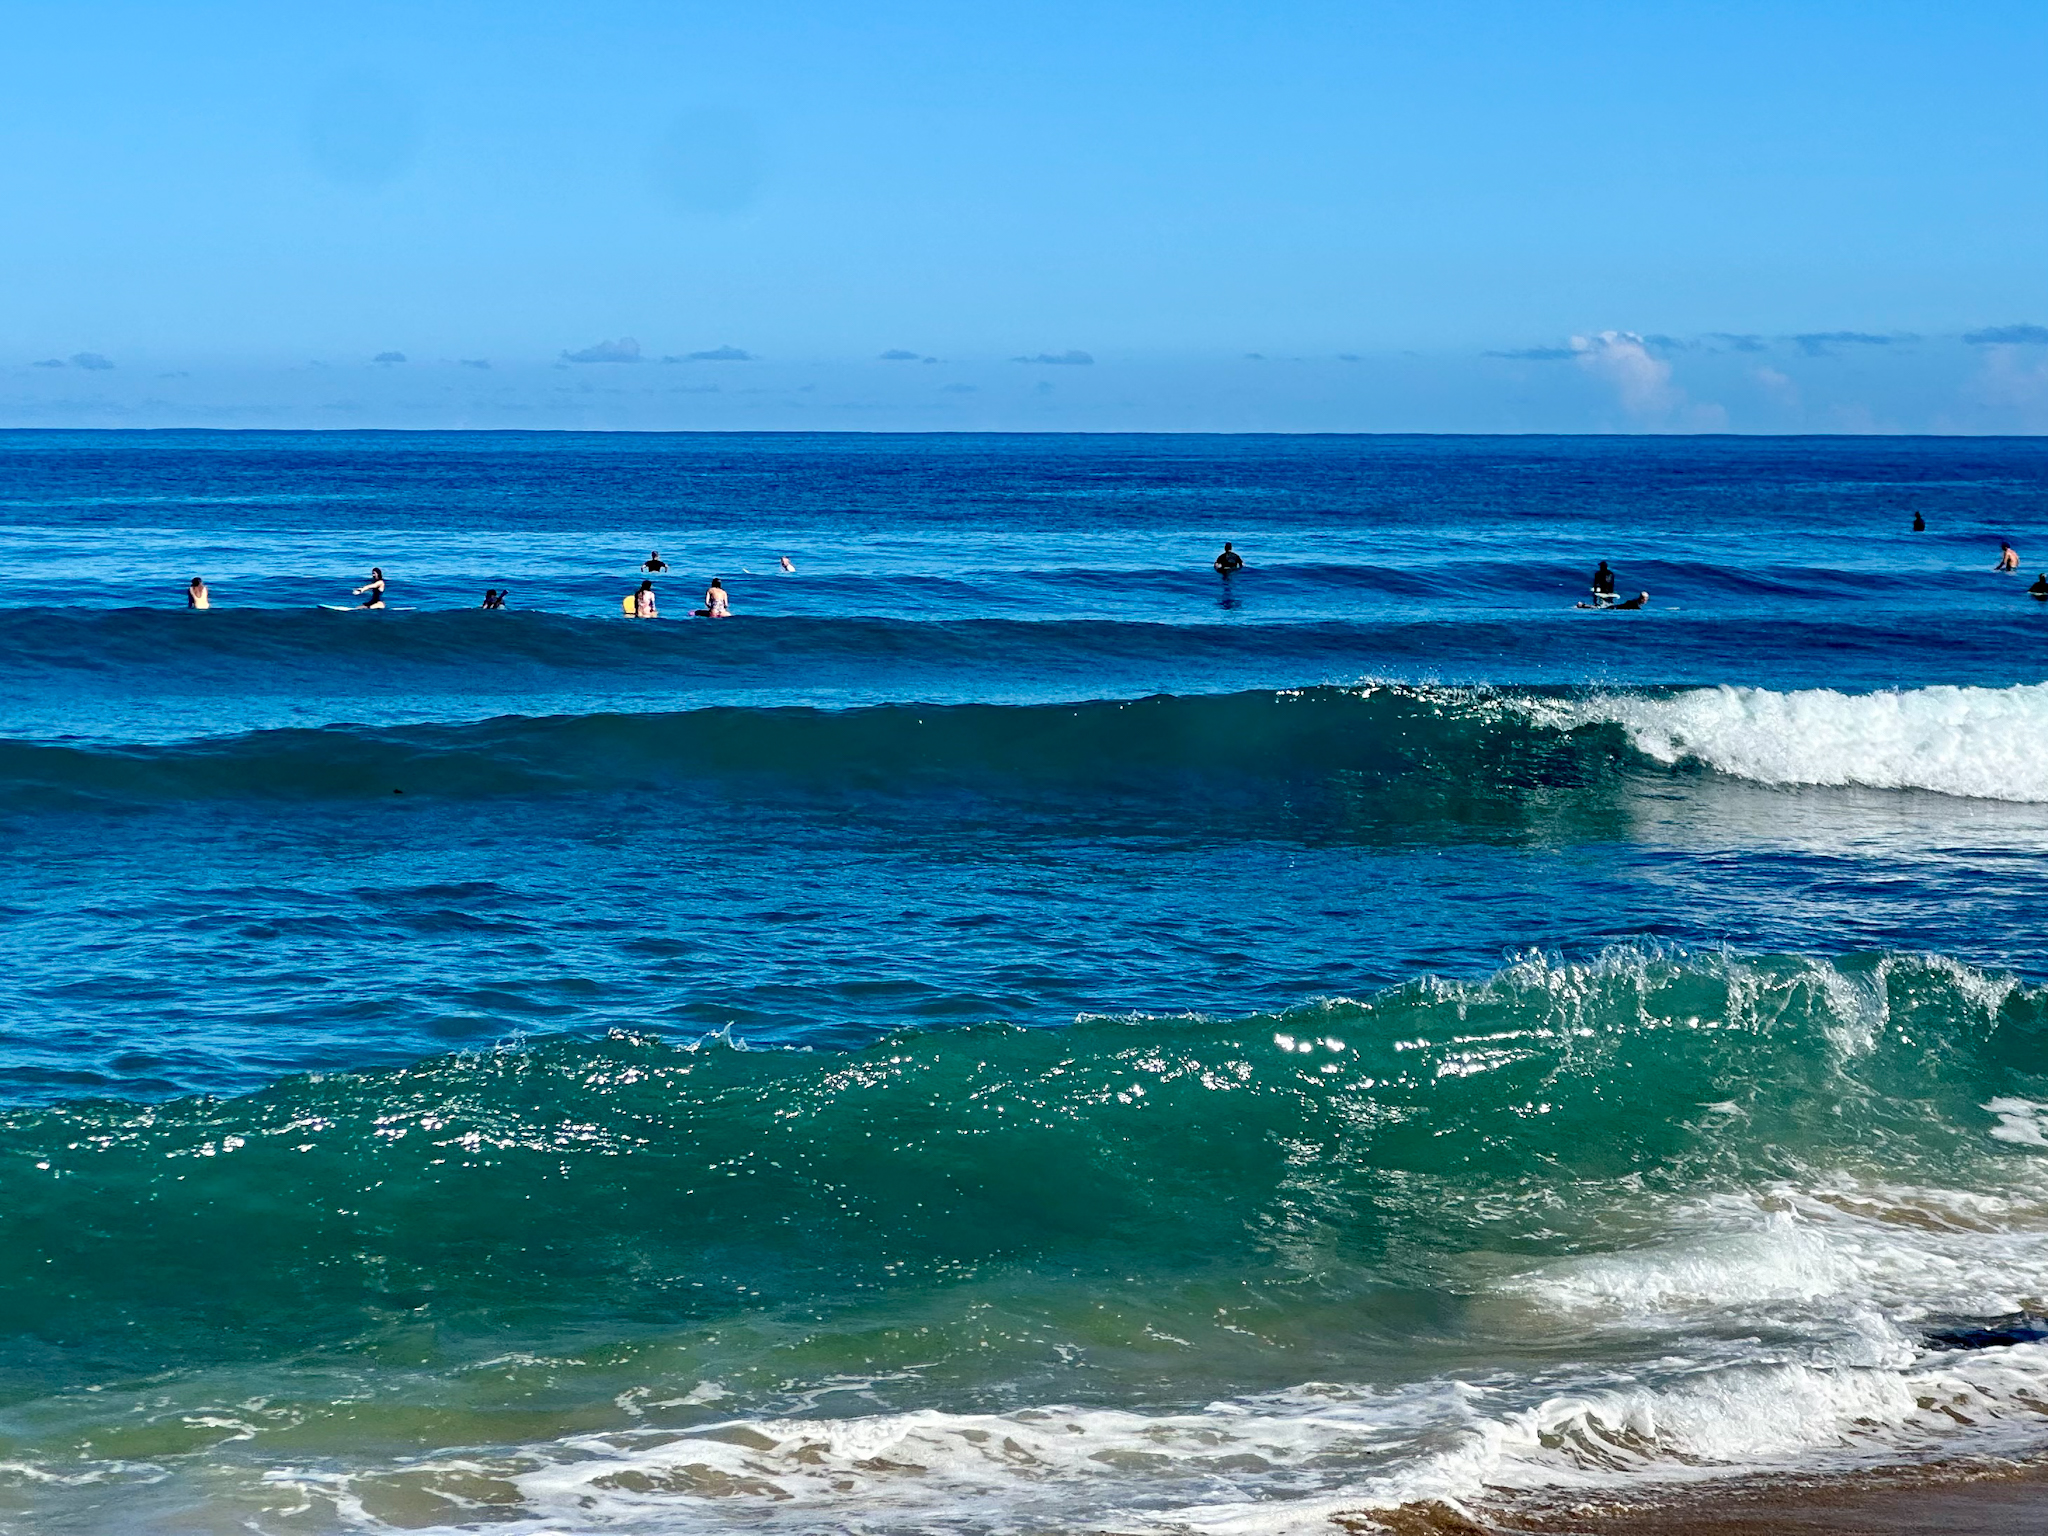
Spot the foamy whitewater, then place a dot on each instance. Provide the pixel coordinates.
(1011, 1032)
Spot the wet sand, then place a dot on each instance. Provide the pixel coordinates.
(1997, 1499)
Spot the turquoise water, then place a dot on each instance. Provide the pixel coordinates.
(1009, 1033)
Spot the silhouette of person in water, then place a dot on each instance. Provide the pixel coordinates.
(1640, 600)
(493, 598)
(1603, 584)
(2038, 589)
(1230, 560)
(1919, 523)
(654, 563)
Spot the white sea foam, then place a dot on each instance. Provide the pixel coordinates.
(1987, 743)
(1835, 1272)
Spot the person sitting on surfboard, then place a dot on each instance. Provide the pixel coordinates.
(655, 563)
(2038, 589)
(715, 602)
(1603, 584)
(374, 586)
(1919, 523)
(2008, 557)
(196, 595)
(643, 602)
(1230, 560)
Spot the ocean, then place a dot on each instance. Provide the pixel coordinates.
(1011, 1032)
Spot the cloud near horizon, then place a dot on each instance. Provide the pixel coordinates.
(1820, 343)
(716, 355)
(388, 357)
(624, 350)
(2008, 336)
(1073, 357)
(92, 360)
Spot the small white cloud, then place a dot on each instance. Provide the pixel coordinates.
(1643, 382)
(624, 350)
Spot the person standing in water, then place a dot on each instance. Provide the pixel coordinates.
(374, 586)
(655, 563)
(1230, 560)
(196, 595)
(715, 602)
(2008, 557)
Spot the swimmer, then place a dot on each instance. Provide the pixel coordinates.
(1640, 600)
(1603, 585)
(715, 602)
(1230, 560)
(643, 602)
(196, 595)
(493, 598)
(655, 563)
(1919, 523)
(2038, 590)
(2008, 557)
(374, 586)
(791, 569)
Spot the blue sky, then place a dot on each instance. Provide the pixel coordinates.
(1561, 217)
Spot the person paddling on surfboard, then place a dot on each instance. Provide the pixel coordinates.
(1640, 600)
(1230, 560)
(374, 586)
(196, 595)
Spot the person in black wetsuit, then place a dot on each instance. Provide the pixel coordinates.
(1640, 600)
(1230, 560)
(1919, 523)
(654, 563)
(1603, 584)
(2040, 587)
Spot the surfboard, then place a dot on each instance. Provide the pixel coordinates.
(359, 608)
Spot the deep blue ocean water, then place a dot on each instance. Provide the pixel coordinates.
(1010, 1031)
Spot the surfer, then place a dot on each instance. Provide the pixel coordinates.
(196, 595)
(1640, 600)
(791, 569)
(374, 586)
(493, 598)
(655, 563)
(1919, 523)
(1603, 585)
(643, 602)
(715, 602)
(2039, 589)
(1230, 560)
(2008, 557)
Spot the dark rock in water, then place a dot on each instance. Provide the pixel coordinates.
(1987, 1332)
